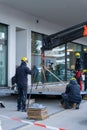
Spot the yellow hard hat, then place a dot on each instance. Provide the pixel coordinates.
(24, 59)
(72, 78)
(84, 71)
(77, 54)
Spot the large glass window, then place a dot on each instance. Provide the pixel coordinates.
(71, 59)
(36, 54)
(59, 62)
(3, 54)
(54, 61)
(36, 48)
(84, 57)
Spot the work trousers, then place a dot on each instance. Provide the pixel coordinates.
(85, 85)
(65, 99)
(22, 96)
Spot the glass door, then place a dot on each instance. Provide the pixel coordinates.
(3, 55)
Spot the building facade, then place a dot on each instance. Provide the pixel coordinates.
(21, 35)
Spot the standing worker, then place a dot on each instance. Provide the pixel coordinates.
(78, 69)
(85, 79)
(22, 83)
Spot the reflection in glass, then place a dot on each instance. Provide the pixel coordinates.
(54, 61)
(3, 55)
(71, 59)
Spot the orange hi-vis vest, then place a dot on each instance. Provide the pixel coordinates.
(85, 30)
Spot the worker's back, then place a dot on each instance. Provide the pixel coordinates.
(73, 90)
(21, 74)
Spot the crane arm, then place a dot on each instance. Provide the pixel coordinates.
(67, 35)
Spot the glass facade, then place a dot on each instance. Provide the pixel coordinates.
(59, 62)
(72, 48)
(3, 54)
(36, 55)
(55, 62)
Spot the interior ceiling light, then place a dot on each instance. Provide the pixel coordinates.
(70, 50)
(85, 49)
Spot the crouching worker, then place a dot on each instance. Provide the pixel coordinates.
(71, 95)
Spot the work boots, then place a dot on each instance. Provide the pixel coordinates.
(77, 106)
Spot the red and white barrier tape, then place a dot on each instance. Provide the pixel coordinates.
(31, 123)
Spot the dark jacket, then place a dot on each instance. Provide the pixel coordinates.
(85, 81)
(22, 74)
(73, 91)
(85, 76)
(13, 80)
(78, 64)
